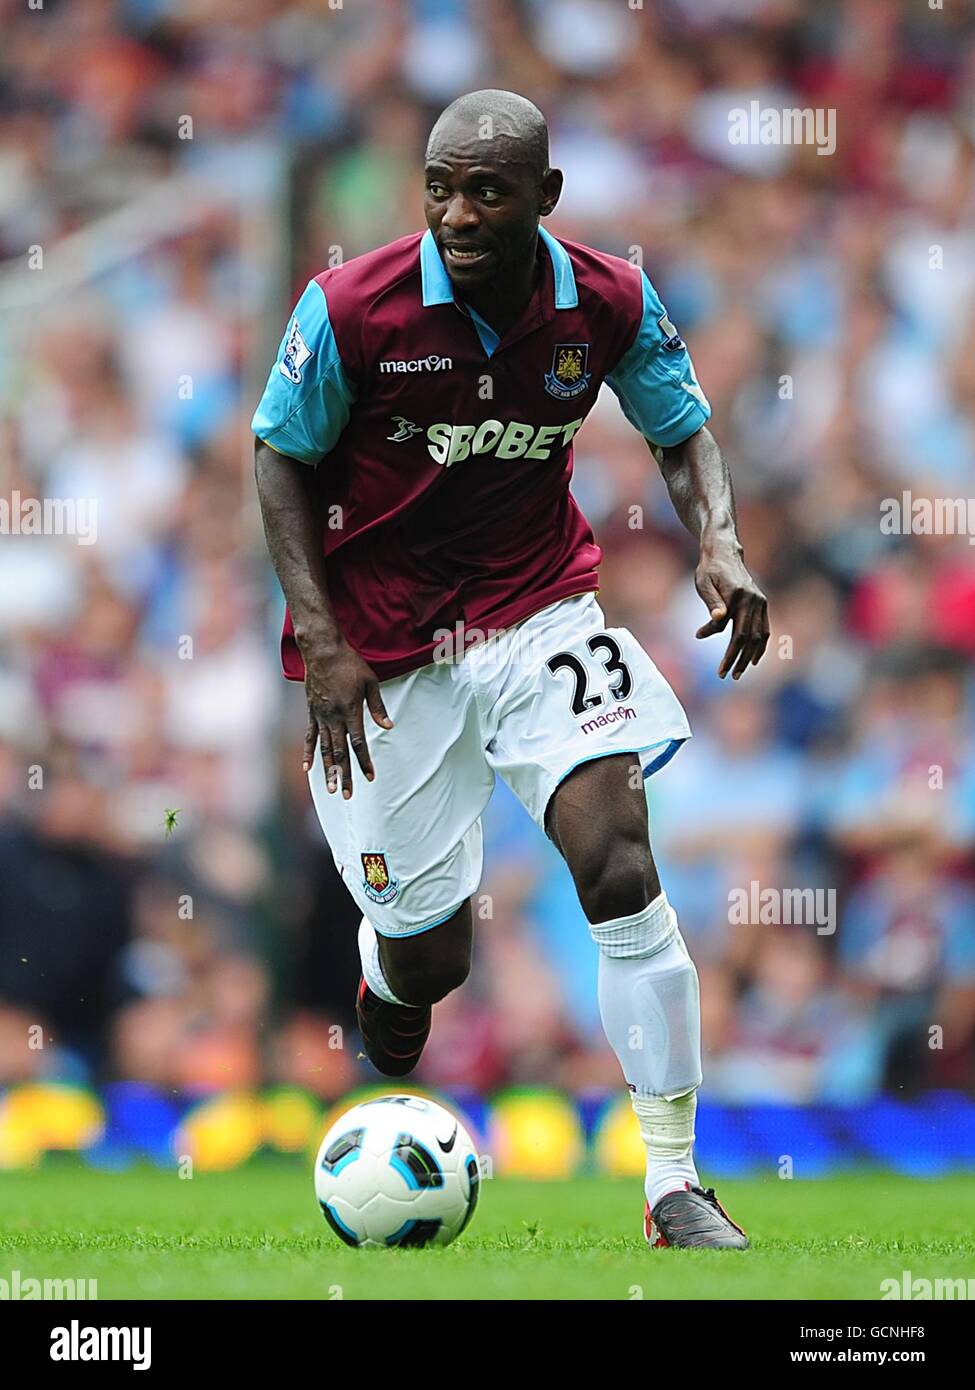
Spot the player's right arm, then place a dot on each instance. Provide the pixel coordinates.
(303, 411)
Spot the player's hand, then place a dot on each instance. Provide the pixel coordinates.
(339, 685)
(732, 595)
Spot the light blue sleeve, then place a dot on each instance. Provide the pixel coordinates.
(307, 399)
(655, 379)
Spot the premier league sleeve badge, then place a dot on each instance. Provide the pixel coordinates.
(296, 354)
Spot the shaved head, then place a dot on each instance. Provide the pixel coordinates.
(510, 126)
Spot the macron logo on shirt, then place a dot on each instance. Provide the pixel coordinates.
(433, 363)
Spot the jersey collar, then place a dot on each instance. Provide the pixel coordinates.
(438, 289)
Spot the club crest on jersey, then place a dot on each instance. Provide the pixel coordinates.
(568, 376)
(296, 354)
(377, 881)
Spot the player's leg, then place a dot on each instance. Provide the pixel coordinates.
(421, 969)
(597, 820)
(581, 715)
(428, 967)
(408, 846)
(648, 991)
(648, 988)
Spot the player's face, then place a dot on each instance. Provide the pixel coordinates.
(483, 210)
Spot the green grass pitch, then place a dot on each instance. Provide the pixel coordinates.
(257, 1233)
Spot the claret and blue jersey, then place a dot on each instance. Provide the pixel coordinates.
(445, 452)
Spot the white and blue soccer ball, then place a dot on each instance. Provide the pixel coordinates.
(399, 1170)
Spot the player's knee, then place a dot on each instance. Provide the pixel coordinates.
(616, 877)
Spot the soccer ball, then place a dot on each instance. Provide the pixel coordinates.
(399, 1170)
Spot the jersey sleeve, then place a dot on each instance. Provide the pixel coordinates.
(308, 396)
(655, 379)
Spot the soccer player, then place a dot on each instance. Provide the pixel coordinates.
(413, 458)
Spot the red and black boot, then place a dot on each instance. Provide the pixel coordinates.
(692, 1220)
(393, 1035)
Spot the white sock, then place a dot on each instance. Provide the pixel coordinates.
(667, 1128)
(372, 968)
(650, 1007)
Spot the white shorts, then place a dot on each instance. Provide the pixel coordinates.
(531, 703)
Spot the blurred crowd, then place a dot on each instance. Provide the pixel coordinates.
(168, 909)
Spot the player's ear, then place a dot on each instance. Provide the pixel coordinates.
(551, 190)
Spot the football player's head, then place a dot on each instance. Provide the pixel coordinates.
(488, 182)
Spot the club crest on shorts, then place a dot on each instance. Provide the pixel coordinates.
(569, 376)
(378, 882)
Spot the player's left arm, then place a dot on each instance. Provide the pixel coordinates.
(662, 398)
(700, 488)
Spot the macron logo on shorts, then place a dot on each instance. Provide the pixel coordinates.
(614, 715)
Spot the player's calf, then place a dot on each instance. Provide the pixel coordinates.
(424, 968)
(402, 978)
(427, 982)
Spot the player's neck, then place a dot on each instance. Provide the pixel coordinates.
(501, 306)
